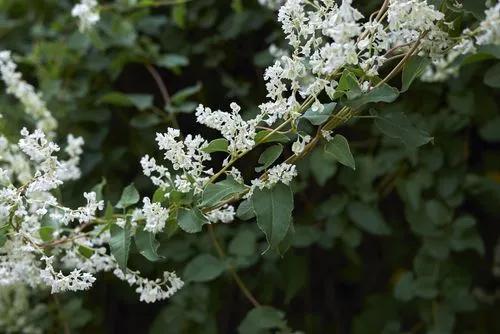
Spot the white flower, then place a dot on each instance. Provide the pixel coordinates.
(155, 216)
(224, 214)
(489, 28)
(281, 173)
(187, 156)
(87, 13)
(299, 145)
(75, 281)
(83, 214)
(36, 146)
(327, 135)
(151, 291)
(239, 133)
(32, 101)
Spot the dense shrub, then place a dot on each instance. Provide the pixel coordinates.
(350, 185)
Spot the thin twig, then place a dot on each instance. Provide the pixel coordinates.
(159, 82)
(231, 269)
(400, 65)
(164, 92)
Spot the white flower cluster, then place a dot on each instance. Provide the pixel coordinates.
(87, 13)
(83, 214)
(151, 291)
(31, 100)
(185, 155)
(283, 173)
(489, 28)
(28, 205)
(29, 171)
(75, 281)
(224, 214)
(239, 133)
(326, 37)
(445, 65)
(155, 216)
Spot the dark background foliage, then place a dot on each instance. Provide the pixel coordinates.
(403, 244)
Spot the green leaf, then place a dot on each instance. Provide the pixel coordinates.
(115, 98)
(317, 117)
(245, 210)
(141, 101)
(383, 93)
(262, 319)
(475, 7)
(492, 76)
(243, 243)
(465, 235)
(412, 70)
(438, 213)
(98, 188)
(265, 136)
(159, 196)
(46, 233)
(191, 220)
(368, 218)
(3, 234)
(217, 145)
(120, 244)
(144, 121)
(172, 61)
(203, 268)
(269, 156)
(86, 251)
(338, 147)
(220, 191)
(397, 125)
(348, 85)
(179, 13)
(323, 166)
(405, 287)
(183, 94)
(147, 244)
(490, 131)
(129, 197)
(273, 208)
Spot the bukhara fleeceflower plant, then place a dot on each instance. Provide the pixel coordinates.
(29, 172)
(335, 51)
(339, 62)
(24, 208)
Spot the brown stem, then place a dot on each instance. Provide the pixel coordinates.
(382, 10)
(400, 65)
(163, 90)
(231, 269)
(159, 82)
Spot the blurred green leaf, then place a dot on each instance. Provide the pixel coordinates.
(130, 196)
(269, 156)
(338, 147)
(120, 244)
(203, 268)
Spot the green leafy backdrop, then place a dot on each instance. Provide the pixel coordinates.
(395, 235)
